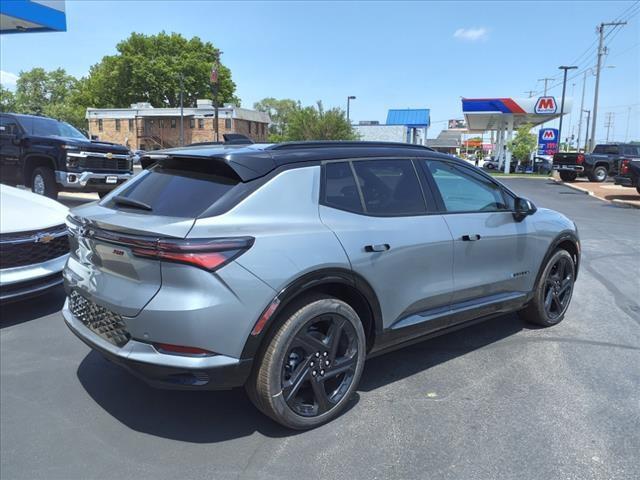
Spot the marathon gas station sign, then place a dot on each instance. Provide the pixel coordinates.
(548, 141)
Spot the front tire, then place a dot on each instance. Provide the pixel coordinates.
(568, 176)
(311, 366)
(599, 174)
(43, 182)
(553, 292)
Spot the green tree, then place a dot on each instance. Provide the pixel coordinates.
(523, 144)
(316, 123)
(147, 68)
(7, 100)
(280, 112)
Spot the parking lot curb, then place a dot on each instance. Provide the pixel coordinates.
(618, 202)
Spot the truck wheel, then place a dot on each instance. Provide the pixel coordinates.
(599, 174)
(553, 291)
(568, 176)
(311, 366)
(43, 182)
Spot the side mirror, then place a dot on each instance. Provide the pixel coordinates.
(523, 208)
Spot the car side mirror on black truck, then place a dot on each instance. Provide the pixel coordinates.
(523, 207)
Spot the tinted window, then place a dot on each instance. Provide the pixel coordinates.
(631, 150)
(8, 126)
(47, 127)
(340, 189)
(390, 187)
(180, 188)
(463, 190)
(606, 149)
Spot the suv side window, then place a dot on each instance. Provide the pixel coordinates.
(8, 126)
(630, 150)
(340, 190)
(390, 187)
(463, 190)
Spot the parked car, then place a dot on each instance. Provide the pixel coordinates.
(595, 166)
(33, 243)
(283, 267)
(542, 165)
(49, 156)
(629, 174)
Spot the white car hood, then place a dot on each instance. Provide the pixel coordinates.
(23, 211)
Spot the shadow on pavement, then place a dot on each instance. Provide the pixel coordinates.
(207, 417)
(16, 312)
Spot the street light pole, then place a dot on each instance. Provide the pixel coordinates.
(564, 88)
(349, 98)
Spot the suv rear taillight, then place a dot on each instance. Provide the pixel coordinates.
(208, 254)
(624, 166)
(580, 159)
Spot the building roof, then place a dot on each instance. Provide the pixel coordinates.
(33, 16)
(204, 109)
(411, 117)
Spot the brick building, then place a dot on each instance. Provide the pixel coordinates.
(143, 127)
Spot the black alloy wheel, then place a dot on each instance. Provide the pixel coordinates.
(320, 365)
(558, 288)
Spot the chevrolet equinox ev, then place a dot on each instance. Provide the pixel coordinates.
(283, 267)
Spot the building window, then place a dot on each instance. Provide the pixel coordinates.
(201, 123)
(173, 123)
(117, 124)
(100, 126)
(162, 123)
(131, 124)
(192, 123)
(249, 123)
(227, 123)
(263, 129)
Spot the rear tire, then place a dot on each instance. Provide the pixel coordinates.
(553, 292)
(320, 346)
(43, 182)
(568, 176)
(599, 174)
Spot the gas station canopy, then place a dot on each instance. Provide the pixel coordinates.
(19, 16)
(486, 114)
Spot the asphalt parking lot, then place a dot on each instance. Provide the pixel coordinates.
(498, 400)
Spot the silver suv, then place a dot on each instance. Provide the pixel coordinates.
(283, 267)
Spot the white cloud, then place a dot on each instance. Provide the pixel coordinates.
(8, 79)
(471, 34)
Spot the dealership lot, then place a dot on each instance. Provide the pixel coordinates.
(497, 400)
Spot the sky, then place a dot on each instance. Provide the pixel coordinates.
(387, 54)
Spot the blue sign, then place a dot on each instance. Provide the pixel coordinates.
(548, 141)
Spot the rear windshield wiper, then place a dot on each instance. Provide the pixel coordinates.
(130, 202)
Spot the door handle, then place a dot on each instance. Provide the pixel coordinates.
(470, 238)
(381, 247)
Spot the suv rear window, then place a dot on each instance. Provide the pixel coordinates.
(179, 187)
(607, 149)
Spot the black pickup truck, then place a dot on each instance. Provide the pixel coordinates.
(629, 174)
(49, 156)
(596, 166)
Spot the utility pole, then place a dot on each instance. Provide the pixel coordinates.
(626, 135)
(564, 88)
(545, 80)
(530, 93)
(601, 51)
(349, 98)
(586, 138)
(584, 84)
(610, 117)
(181, 110)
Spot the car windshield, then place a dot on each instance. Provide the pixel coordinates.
(46, 127)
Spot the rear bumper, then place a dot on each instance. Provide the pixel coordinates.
(568, 168)
(217, 372)
(30, 280)
(90, 180)
(624, 181)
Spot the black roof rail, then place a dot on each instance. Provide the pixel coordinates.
(344, 143)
